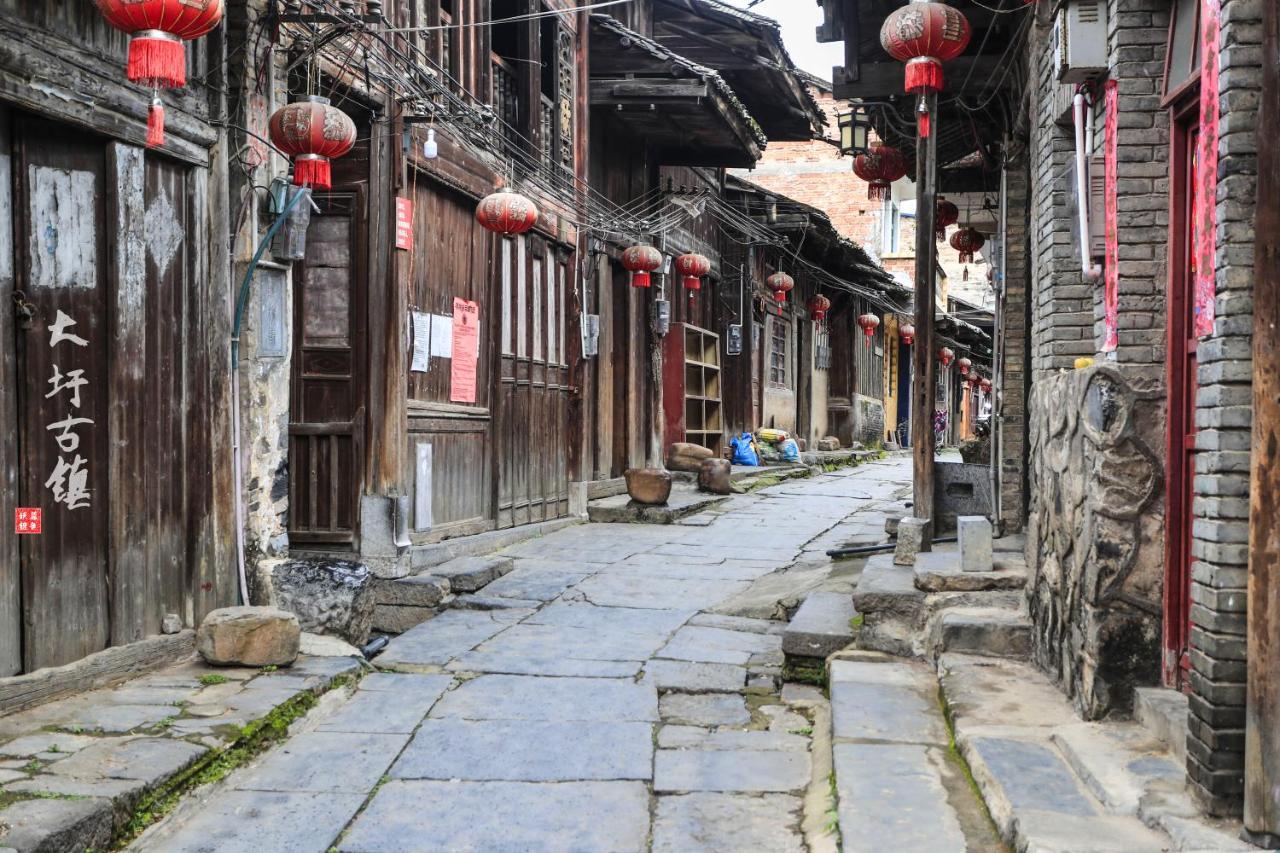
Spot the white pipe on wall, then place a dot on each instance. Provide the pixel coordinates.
(1087, 267)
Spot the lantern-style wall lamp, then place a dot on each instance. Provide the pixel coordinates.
(855, 131)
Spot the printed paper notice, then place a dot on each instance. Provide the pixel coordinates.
(466, 348)
(441, 336)
(421, 342)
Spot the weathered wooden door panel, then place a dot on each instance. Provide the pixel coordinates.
(326, 416)
(10, 577)
(60, 216)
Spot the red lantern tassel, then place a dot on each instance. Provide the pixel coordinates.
(640, 278)
(940, 232)
(157, 59)
(922, 124)
(877, 191)
(692, 283)
(312, 172)
(924, 74)
(155, 123)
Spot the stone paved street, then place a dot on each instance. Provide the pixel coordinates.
(622, 704)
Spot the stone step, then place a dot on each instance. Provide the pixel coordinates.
(940, 571)
(620, 509)
(891, 607)
(988, 631)
(1117, 762)
(472, 574)
(822, 626)
(1164, 713)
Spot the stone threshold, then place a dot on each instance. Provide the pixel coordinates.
(88, 771)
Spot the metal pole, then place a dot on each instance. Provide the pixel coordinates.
(923, 354)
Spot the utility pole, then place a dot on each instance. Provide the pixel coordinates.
(923, 352)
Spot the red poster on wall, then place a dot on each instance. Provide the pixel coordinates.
(404, 223)
(1111, 285)
(1205, 217)
(466, 351)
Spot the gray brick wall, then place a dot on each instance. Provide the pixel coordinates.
(1215, 738)
(1013, 427)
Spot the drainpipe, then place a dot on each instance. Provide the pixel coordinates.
(1088, 268)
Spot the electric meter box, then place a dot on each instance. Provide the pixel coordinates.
(1079, 41)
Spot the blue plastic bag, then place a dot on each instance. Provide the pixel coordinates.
(743, 452)
(790, 450)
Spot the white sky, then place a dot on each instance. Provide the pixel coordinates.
(799, 19)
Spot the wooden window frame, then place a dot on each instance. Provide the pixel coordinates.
(1170, 99)
(779, 356)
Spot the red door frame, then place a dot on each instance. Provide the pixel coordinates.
(1181, 382)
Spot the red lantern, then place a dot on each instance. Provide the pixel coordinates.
(964, 364)
(818, 306)
(967, 241)
(157, 55)
(947, 214)
(869, 324)
(880, 167)
(641, 260)
(986, 386)
(946, 355)
(781, 284)
(974, 379)
(693, 267)
(924, 35)
(312, 132)
(908, 334)
(506, 213)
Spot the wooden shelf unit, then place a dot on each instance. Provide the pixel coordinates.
(693, 387)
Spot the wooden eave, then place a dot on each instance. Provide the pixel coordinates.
(747, 50)
(687, 113)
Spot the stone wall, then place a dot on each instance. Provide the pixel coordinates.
(1094, 539)
(1220, 531)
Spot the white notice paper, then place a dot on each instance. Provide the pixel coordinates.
(441, 336)
(421, 342)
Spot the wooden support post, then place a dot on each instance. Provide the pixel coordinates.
(923, 353)
(1262, 734)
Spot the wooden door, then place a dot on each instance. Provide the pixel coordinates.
(1181, 437)
(61, 343)
(531, 441)
(326, 422)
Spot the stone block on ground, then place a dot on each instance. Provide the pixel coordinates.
(769, 771)
(651, 486)
(940, 571)
(472, 574)
(57, 824)
(891, 797)
(249, 636)
(328, 596)
(413, 591)
(704, 709)
(688, 457)
(1164, 713)
(707, 822)
(715, 476)
(914, 536)
(822, 626)
(989, 631)
(973, 532)
(828, 443)
(399, 618)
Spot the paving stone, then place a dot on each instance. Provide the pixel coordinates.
(891, 797)
(585, 643)
(29, 745)
(584, 614)
(696, 737)
(704, 709)
(695, 677)
(385, 711)
(323, 762)
(408, 683)
(712, 823)
(516, 697)
(445, 637)
(401, 618)
(118, 719)
(884, 712)
(547, 663)
(132, 695)
(492, 602)
(149, 760)
(738, 623)
(718, 645)
(236, 821)
(577, 816)
(783, 719)
(56, 825)
(730, 770)
(534, 584)
(527, 751)
(625, 590)
(821, 626)
(470, 574)
(123, 792)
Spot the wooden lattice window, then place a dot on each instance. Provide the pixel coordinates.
(778, 339)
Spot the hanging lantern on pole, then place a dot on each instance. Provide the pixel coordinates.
(967, 241)
(818, 306)
(964, 364)
(986, 385)
(907, 333)
(157, 55)
(924, 35)
(974, 379)
(312, 132)
(946, 214)
(781, 284)
(506, 213)
(946, 355)
(869, 323)
(693, 267)
(641, 261)
(880, 167)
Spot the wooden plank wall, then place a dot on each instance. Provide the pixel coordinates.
(10, 596)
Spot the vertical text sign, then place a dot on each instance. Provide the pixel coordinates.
(404, 223)
(28, 520)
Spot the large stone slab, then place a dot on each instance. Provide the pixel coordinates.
(534, 584)
(471, 574)
(940, 571)
(614, 589)
(695, 677)
(405, 816)
(335, 762)
(409, 684)
(249, 636)
(714, 823)
(704, 709)
(546, 662)
(891, 797)
(381, 711)
(822, 626)
(528, 751)
(445, 637)
(776, 771)
(517, 697)
(413, 591)
(148, 760)
(988, 631)
(235, 821)
(886, 702)
(57, 824)
(587, 614)
(718, 645)
(696, 737)
(582, 643)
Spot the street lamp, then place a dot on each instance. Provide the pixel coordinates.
(855, 131)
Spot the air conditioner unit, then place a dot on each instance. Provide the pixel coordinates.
(1079, 40)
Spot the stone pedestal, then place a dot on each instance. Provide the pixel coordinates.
(974, 535)
(914, 535)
